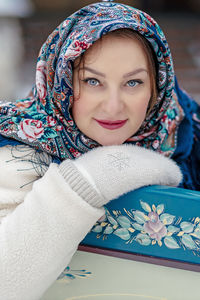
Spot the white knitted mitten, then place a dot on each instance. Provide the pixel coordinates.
(115, 170)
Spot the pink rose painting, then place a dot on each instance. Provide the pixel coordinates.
(41, 79)
(51, 121)
(149, 227)
(154, 227)
(30, 130)
(76, 48)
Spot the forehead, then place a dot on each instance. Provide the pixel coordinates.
(114, 49)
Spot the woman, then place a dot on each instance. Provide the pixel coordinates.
(99, 86)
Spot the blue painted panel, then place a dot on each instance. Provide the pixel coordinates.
(158, 221)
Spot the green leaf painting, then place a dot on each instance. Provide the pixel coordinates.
(150, 226)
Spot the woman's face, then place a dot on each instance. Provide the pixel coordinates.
(112, 90)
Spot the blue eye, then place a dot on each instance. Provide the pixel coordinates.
(132, 83)
(91, 81)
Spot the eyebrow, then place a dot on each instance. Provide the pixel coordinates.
(135, 72)
(139, 70)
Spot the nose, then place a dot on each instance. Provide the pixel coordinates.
(113, 102)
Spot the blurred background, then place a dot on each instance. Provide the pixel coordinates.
(25, 25)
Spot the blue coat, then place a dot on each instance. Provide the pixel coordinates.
(187, 153)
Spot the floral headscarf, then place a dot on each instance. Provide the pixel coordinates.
(44, 121)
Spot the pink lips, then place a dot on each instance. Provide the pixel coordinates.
(111, 124)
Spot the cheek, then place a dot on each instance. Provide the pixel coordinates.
(85, 106)
(81, 110)
(143, 106)
(138, 108)
(77, 110)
